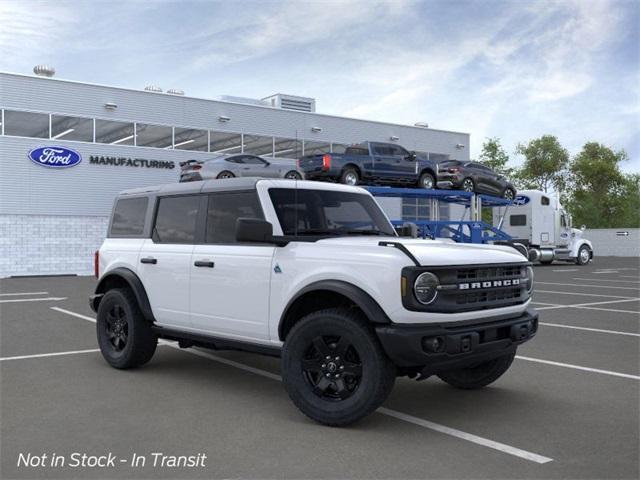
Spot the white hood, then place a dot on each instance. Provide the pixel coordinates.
(439, 252)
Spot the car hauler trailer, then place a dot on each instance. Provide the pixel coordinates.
(538, 221)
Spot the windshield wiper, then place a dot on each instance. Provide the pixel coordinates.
(365, 232)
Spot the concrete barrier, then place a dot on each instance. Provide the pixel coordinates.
(614, 242)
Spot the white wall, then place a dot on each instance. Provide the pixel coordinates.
(607, 242)
(48, 244)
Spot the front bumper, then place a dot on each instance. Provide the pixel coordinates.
(443, 347)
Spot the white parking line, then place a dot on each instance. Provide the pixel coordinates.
(606, 280)
(585, 305)
(598, 330)
(55, 354)
(579, 294)
(579, 367)
(517, 452)
(628, 276)
(533, 457)
(46, 299)
(23, 293)
(567, 270)
(588, 286)
(610, 310)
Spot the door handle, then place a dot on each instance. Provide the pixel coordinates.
(150, 260)
(204, 263)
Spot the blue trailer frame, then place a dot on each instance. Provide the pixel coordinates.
(462, 231)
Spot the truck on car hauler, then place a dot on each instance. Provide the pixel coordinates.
(538, 221)
(314, 273)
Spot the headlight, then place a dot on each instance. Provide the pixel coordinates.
(530, 280)
(426, 288)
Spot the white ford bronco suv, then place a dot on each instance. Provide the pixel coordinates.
(311, 272)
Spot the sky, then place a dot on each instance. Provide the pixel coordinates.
(509, 69)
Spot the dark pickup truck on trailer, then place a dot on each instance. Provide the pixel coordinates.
(372, 162)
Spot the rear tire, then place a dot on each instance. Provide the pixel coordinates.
(293, 175)
(479, 376)
(124, 335)
(350, 176)
(468, 185)
(509, 194)
(334, 368)
(225, 174)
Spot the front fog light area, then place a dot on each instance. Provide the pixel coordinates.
(425, 288)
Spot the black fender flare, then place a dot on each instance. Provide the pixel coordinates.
(359, 297)
(429, 170)
(134, 283)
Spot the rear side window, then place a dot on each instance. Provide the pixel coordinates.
(356, 151)
(224, 209)
(176, 219)
(518, 220)
(128, 217)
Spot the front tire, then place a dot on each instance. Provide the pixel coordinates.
(509, 194)
(334, 368)
(124, 335)
(584, 255)
(479, 376)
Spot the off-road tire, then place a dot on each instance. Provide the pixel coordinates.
(349, 173)
(225, 174)
(425, 178)
(140, 343)
(579, 258)
(480, 375)
(377, 372)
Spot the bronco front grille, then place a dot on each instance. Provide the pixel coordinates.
(468, 288)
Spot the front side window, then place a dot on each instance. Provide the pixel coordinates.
(324, 212)
(225, 209)
(544, 201)
(176, 219)
(128, 217)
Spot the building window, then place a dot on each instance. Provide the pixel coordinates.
(190, 139)
(176, 219)
(157, 136)
(26, 124)
(114, 133)
(225, 143)
(415, 209)
(287, 148)
(315, 148)
(71, 128)
(258, 145)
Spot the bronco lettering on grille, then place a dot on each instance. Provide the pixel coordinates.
(489, 284)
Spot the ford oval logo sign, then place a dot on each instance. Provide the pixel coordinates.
(55, 157)
(521, 200)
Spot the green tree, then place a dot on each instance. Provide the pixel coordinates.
(600, 195)
(494, 156)
(545, 164)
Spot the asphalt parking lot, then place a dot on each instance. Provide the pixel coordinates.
(568, 407)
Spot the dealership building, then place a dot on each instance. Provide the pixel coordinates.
(53, 219)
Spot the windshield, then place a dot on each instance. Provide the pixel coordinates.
(331, 213)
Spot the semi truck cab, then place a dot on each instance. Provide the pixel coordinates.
(538, 221)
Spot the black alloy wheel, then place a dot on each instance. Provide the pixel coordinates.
(117, 327)
(468, 185)
(509, 194)
(332, 367)
(293, 175)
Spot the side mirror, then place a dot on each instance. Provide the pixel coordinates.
(408, 229)
(412, 156)
(254, 230)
